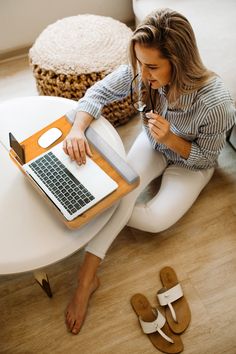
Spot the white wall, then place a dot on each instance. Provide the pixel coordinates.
(21, 21)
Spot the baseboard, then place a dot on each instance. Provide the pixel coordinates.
(12, 54)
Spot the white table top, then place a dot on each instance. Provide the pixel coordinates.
(31, 234)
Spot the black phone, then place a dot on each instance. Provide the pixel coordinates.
(19, 149)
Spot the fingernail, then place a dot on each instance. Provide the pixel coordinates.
(148, 115)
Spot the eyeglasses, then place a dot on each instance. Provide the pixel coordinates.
(135, 90)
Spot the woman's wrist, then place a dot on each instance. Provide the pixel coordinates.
(82, 121)
(179, 145)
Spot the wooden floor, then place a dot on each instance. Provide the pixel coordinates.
(201, 247)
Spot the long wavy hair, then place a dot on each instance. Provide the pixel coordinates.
(171, 33)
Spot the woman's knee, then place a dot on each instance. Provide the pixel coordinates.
(145, 219)
(179, 190)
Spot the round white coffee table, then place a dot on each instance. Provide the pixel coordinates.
(31, 236)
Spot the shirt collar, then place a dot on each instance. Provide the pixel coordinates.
(183, 103)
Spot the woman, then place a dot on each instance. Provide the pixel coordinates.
(186, 113)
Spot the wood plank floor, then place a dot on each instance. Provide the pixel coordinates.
(201, 247)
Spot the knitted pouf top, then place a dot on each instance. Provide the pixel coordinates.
(82, 44)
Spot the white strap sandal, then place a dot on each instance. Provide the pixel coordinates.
(167, 297)
(177, 311)
(156, 325)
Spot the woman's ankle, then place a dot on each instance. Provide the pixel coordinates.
(88, 281)
(88, 271)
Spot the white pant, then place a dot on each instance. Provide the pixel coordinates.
(179, 189)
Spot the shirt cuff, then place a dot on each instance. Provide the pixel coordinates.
(84, 106)
(193, 156)
(89, 107)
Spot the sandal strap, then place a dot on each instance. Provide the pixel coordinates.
(169, 296)
(155, 326)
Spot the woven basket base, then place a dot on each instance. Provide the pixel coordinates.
(74, 87)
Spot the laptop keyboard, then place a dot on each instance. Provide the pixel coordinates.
(61, 183)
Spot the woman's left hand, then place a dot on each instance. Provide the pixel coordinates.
(159, 127)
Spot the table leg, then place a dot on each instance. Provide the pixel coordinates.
(42, 279)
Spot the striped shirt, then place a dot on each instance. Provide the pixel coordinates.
(202, 117)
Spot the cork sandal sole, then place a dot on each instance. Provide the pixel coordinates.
(145, 312)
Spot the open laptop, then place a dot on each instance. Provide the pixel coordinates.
(72, 188)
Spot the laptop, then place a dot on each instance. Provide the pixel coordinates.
(73, 189)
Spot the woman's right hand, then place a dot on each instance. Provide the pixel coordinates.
(76, 145)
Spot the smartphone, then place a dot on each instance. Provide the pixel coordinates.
(19, 150)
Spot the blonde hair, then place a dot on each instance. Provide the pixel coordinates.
(171, 33)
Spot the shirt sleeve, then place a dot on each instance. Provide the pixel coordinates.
(211, 139)
(113, 87)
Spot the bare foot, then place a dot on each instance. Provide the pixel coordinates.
(77, 308)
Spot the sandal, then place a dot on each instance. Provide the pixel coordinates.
(177, 312)
(154, 324)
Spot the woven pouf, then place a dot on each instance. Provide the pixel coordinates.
(72, 54)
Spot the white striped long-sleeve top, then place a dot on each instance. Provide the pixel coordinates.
(202, 117)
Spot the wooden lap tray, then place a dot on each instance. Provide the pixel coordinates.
(32, 150)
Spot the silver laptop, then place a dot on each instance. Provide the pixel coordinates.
(72, 188)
